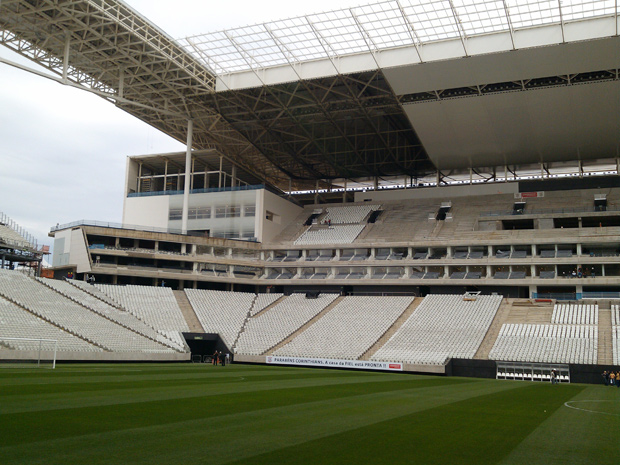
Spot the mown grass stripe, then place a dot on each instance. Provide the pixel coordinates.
(246, 433)
(479, 430)
(29, 426)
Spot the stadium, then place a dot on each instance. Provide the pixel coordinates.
(420, 198)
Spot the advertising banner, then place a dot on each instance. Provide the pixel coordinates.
(334, 363)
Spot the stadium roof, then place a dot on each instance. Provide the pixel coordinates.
(391, 89)
(380, 26)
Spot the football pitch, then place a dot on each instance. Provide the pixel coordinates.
(200, 414)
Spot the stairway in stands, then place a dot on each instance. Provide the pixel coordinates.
(605, 344)
(491, 336)
(306, 326)
(188, 312)
(395, 327)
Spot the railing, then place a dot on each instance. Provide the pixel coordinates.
(547, 211)
(600, 295)
(557, 295)
(105, 224)
(199, 191)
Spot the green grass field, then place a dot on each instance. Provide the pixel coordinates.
(200, 414)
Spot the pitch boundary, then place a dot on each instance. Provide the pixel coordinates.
(567, 404)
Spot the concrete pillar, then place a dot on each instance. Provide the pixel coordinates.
(533, 290)
(579, 250)
(165, 173)
(219, 182)
(446, 270)
(449, 250)
(534, 252)
(188, 175)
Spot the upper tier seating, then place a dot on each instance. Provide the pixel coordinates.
(9, 236)
(575, 314)
(265, 331)
(16, 322)
(348, 214)
(339, 234)
(546, 344)
(221, 312)
(70, 316)
(443, 326)
(349, 329)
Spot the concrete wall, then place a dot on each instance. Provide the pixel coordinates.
(443, 193)
(79, 251)
(62, 245)
(147, 211)
(284, 212)
(16, 355)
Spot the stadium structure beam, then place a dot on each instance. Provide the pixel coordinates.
(188, 175)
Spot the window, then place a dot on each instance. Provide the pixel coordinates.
(233, 212)
(175, 214)
(249, 210)
(203, 212)
(220, 212)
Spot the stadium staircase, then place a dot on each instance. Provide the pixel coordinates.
(245, 322)
(268, 307)
(188, 312)
(605, 344)
(530, 312)
(491, 336)
(304, 327)
(390, 332)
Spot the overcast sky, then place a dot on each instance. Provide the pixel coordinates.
(63, 151)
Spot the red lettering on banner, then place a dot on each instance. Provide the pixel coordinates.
(395, 366)
(529, 194)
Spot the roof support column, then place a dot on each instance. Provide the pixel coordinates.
(316, 192)
(344, 192)
(139, 186)
(188, 174)
(65, 59)
(165, 174)
(219, 184)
